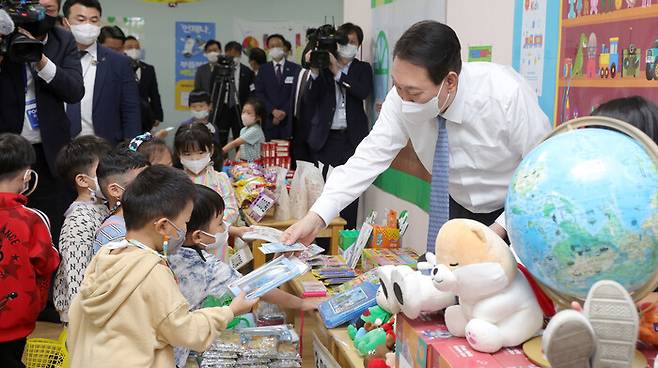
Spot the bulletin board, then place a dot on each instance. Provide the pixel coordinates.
(607, 49)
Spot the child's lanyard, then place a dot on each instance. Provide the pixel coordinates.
(140, 245)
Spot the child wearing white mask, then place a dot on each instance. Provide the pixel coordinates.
(251, 136)
(201, 274)
(193, 147)
(76, 163)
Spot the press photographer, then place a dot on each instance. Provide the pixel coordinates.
(39, 72)
(339, 84)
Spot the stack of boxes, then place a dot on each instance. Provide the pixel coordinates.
(275, 153)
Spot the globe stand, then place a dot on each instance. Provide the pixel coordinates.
(532, 350)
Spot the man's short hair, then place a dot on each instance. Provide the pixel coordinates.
(258, 55)
(111, 32)
(233, 45)
(16, 154)
(132, 38)
(210, 43)
(433, 46)
(275, 35)
(349, 28)
(86, 3)
(158, 191)
(287, 45)
(78, 156)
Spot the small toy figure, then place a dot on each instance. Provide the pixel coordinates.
(649, 323)
(618, 4)
(646, 3)
(579, 8)
(593, 7)
(590, 71)
(572, 11)
(630, 3)
(579, 62)
(652, 62)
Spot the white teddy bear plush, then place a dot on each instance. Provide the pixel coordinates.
(497, 306)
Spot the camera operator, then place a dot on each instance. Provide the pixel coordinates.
(32, 97)
(243, 79)
(337, 93)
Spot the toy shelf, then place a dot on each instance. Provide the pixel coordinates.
(611, 83)
(620, 15)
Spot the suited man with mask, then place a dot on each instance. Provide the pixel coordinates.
(110, 106)
(274, 86)
(150, 103)
(32, 98)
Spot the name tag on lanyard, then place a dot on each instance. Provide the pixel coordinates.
(31, 100)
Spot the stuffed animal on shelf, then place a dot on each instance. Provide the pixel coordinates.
(649, 323)
(497, 305)
(372, 318)
(385, 297)
(415, 292)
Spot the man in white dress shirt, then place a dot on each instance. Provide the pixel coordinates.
(488, 115)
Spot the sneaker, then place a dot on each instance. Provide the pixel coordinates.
(569, 340)
(614, 318)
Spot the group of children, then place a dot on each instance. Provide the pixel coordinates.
(142, 246)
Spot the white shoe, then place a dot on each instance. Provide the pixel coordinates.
(569, 340)
(615, 321)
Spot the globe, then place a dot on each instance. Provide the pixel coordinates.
(583, 206)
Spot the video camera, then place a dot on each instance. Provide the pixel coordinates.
(17, 46)
(322, 42)
(225, 66)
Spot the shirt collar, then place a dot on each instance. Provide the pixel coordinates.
(281, 62)
(455, 112)
(93, 50)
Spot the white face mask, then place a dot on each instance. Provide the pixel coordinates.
(196, 166)
(219, 246)
(348, 51)
(134, 54)
(425, 111)
(199, 114)
(212, 56)
(26, 182)
(95, 193)
(277, 53)
(248, 119)
(85, 34)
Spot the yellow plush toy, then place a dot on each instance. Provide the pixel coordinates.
(497, 306)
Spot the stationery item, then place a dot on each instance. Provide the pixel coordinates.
(241, 258)
(403, 222)
(267, 314)
(268, 234)
(259, 207)
(348, 305)
(371, 276)
(311, 252)
(313, 289)
(323, 261)
(337, 281)
(385, 237)
(268, 277)
(353, 253)
(271, 248)
(347, 238)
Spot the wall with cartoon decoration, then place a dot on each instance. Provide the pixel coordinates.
(607, 49)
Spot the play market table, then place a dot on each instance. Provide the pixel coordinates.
(332, 232)
(335, 340)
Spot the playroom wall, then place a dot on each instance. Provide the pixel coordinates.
(160, 21)
(468, 18)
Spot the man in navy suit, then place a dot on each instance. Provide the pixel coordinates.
(110, 108)
(275, 86)
(340, 123)
(32, 97)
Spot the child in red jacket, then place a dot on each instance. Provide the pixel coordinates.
(27, 256)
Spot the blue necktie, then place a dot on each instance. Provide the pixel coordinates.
(439, 197)
(75, 117)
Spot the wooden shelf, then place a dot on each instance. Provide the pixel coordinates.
(620, 15)
(641, 82)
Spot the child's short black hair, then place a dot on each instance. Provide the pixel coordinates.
(193, 138)
(635, 110)
(118, 162)
(198, 95)
(77, 156)
(259, 109)
(208, 204)
(16, 154)
(158, 191)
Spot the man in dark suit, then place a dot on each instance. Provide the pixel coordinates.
(110, 107)
(149, 96)
(274, 86)
(203, 76)
(244, 86)
(339, 122)
(32, 97)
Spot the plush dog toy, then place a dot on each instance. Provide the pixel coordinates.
(497, 305)
(415, 292)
